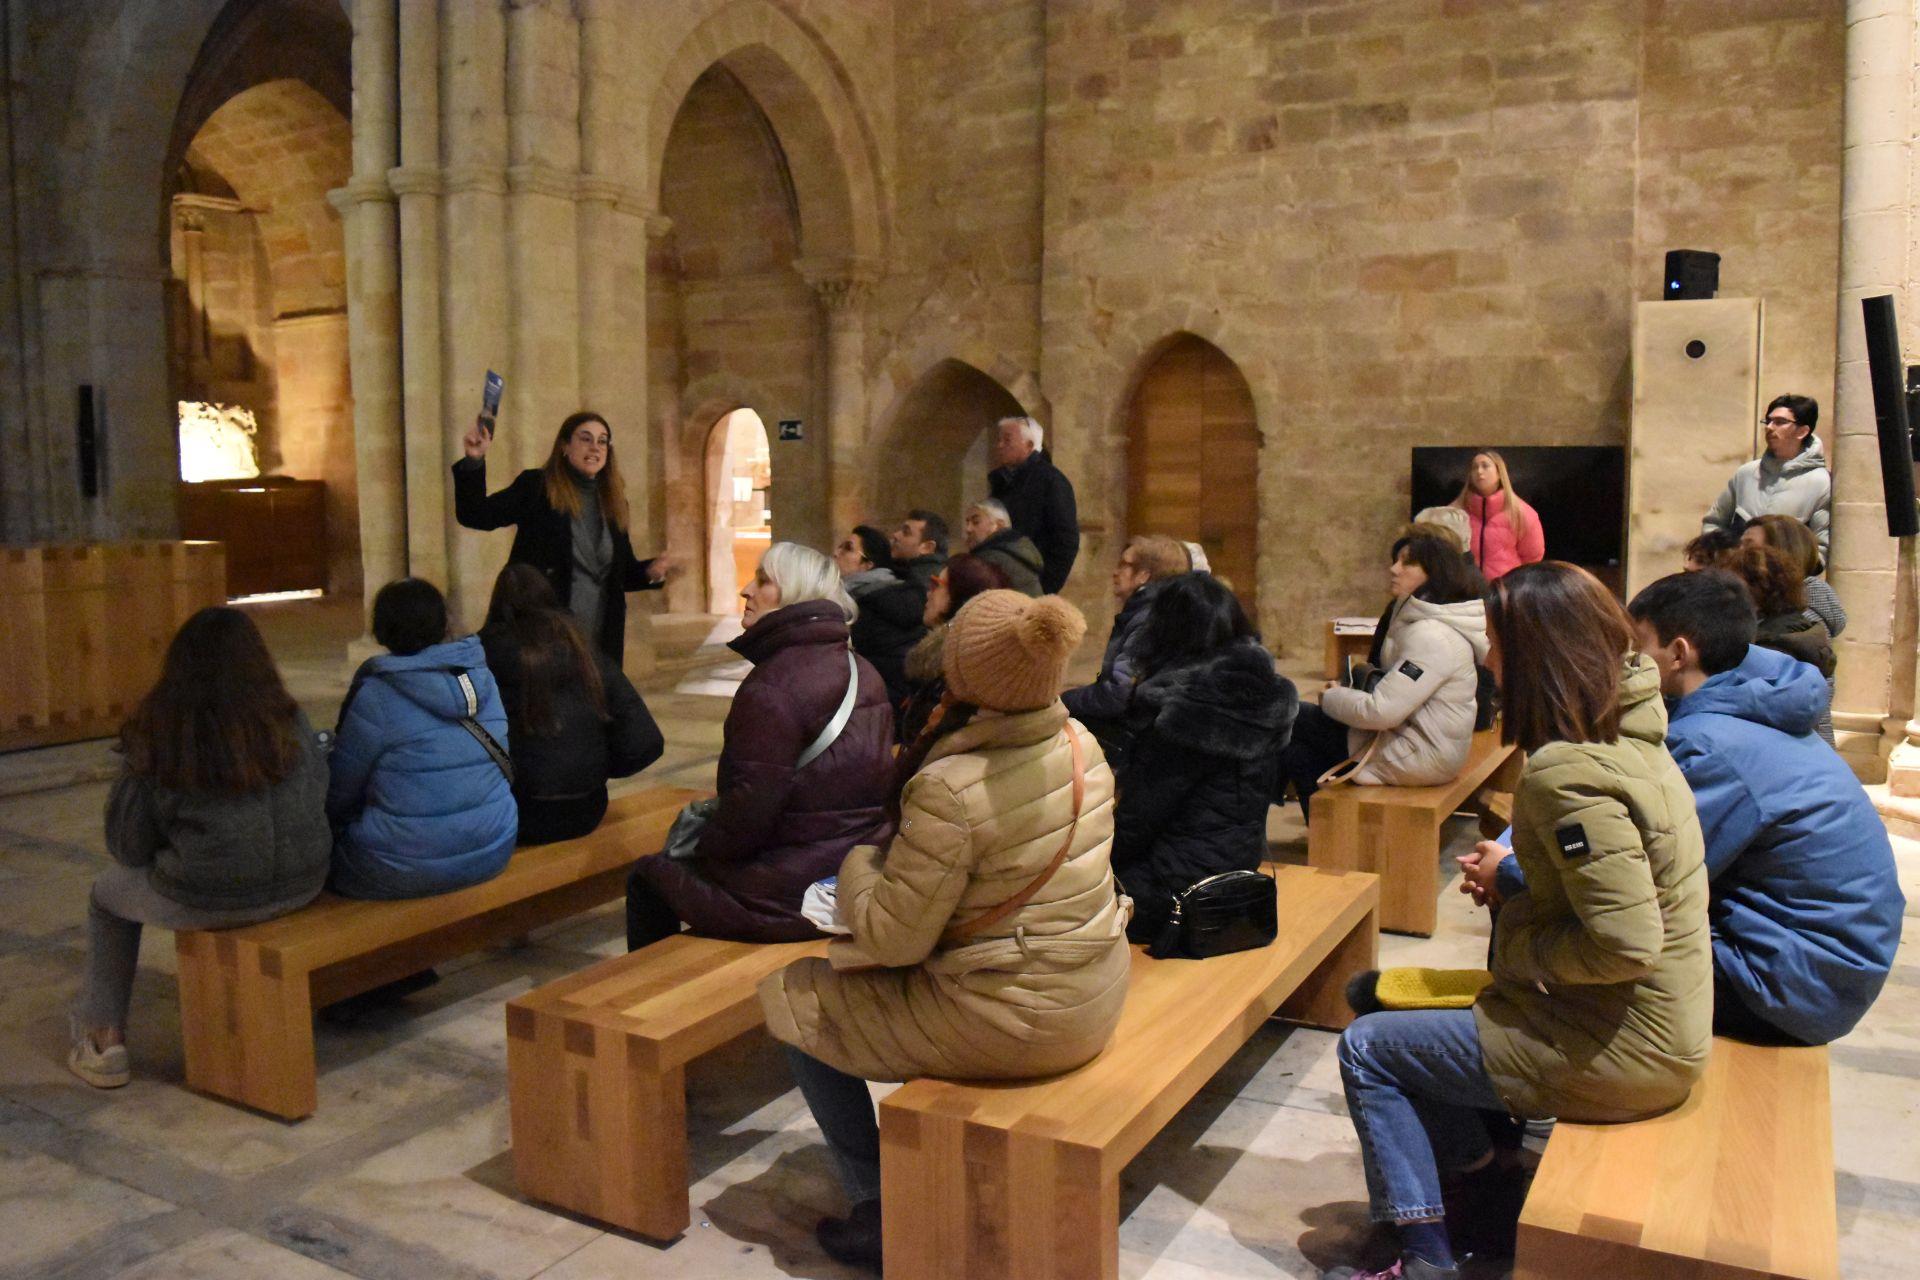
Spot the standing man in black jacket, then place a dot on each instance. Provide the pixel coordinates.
(1037, 496)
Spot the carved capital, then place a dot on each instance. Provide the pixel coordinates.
(842, 283)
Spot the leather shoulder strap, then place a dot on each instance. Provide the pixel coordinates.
(960, 932)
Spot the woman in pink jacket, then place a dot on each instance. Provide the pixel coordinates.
(1505, 528)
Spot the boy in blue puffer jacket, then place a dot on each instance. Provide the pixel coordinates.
(1806, 904)
(418, 804)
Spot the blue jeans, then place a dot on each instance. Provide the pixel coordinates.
(843, 1109)
(1415, 1088)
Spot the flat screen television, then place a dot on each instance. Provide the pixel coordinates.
(1580, 492)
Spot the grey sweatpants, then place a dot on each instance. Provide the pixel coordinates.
(123, 900)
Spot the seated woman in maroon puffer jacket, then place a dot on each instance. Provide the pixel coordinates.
(779, 826)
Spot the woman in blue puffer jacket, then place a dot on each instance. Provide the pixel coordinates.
(418, 804)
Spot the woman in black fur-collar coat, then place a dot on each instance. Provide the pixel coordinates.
(1210, 719)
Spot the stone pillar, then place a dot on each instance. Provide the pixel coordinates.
(1873, 575)
(373, 305)
(193, 253)
(543, 260)
(612, 224)
(474, 298)
(416, 183)
(843, 286)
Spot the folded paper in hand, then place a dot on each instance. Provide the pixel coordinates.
(820, 904)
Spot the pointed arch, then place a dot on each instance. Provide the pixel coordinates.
(1193, 455)
(931, 450)
(805, 96)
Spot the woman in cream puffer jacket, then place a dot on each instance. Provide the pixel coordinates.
(1423, 701)
(910, 991)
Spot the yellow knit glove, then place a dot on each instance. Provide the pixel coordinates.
(1430, 988)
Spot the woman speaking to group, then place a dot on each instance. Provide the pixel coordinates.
(570, 519)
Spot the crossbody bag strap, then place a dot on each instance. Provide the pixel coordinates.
(478, 730)
(1344, 771)
(840, 717)
(960, 932)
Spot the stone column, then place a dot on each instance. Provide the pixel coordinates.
(843, 285)
(474, 298)
(373, 305)
(543, 260)
(1873, 575)
(612, 221)
(416, 183)
(193, 252)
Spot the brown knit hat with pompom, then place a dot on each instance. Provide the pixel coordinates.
(1008, 652)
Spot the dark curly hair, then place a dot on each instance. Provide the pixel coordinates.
(1772, 576)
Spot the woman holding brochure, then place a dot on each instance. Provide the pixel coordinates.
(986, 940)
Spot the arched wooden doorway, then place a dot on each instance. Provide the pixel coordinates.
(739, 517)
(1193, 458)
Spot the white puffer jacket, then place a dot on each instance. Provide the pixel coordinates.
(1424, 704)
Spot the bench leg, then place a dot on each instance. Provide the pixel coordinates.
(1004, 1205)
(1406, 849)
(596, 1129)
(1321, 1001)
(247, 1028)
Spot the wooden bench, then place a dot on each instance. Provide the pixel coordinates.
(1022, 1180)
(1736, 1184)
(247, 995)
(1394, 832)
(596, 1081)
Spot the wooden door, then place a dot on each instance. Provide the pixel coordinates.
(1193, 456)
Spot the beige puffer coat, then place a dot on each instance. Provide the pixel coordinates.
(1422, 710)
(1601, 1007)
(1037, 992)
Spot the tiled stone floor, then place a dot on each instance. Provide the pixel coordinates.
(404, 1172)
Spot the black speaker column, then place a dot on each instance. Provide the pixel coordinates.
(1890, 415)
(86, 438)
(1691, 274)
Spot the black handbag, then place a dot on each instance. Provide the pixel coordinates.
(1233, 911)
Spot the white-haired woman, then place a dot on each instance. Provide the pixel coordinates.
(780, 824)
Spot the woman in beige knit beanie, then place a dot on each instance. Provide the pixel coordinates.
(987, 940)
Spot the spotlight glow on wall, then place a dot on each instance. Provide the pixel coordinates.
(217, 442)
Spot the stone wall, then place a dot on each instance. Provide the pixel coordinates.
(1417, 223)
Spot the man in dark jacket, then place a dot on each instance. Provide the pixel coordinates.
(889, 624)
(919, 546)
(1038, 498)
(1102, 706)
(992, 537)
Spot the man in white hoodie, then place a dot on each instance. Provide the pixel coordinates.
(1789, 479)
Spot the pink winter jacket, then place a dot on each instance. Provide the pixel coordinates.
(1495, 549)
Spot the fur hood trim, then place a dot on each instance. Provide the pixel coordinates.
(1231, 704)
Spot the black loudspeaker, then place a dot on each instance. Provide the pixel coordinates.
(87, 443)
(1890, 414)
(1691, 274)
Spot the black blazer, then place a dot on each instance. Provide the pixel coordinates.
(543, 538)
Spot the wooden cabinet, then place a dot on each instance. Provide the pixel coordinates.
(274, 528)
(85, 627)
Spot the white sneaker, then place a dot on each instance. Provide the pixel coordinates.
(102, 1068)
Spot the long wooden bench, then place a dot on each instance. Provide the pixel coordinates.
(596, 1079)
(1394, 832)
(1022, 1180)
(247, 995)
(1736, 1184)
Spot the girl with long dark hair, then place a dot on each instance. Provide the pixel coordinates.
(573, 717)
(1600, 1005)
(218, 819)
(1210, 717)
(570, 523)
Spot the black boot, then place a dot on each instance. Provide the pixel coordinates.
(855, 1239)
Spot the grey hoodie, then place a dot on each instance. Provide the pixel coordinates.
(1799, 487)
(1423, 707)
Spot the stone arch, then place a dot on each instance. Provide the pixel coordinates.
(931, 450)
(684, 478)
(804, 94)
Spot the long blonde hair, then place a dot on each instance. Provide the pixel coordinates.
(562, 496)
(1466, 490)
